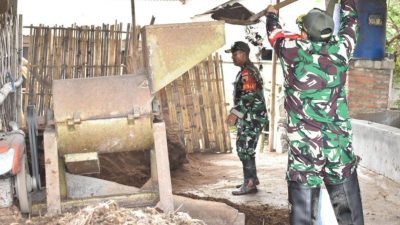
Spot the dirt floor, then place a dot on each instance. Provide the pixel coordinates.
(213, 177)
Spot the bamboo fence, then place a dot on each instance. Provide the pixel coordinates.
(10, 30)
(194, 104)
(74, 52)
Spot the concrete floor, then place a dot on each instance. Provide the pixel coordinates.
(213, 177)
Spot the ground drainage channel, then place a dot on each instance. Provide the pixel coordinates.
(255, 215)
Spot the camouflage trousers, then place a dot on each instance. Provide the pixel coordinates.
(320, 156)
(247, 138)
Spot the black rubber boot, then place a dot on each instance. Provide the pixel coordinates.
(303, 204)
(253, 164)
(346, 201)
(248, 186)
(253, 170)
(244, 174)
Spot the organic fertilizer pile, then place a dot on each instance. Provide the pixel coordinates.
(109, 213)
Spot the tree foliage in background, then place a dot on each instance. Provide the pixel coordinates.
(393, 35)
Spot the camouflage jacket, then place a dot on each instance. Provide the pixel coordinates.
(248, 96)
(315, 73)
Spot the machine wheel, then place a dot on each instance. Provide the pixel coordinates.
(23, 186)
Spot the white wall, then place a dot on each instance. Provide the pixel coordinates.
(378, 145)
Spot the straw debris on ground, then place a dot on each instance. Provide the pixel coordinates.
(110, 213)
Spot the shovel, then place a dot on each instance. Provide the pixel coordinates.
(234, 13)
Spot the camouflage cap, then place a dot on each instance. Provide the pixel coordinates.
(239, 45)
(317, 24)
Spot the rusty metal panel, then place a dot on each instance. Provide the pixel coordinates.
(77, 100)
(103, 114)
(106, 136)
(171, 50)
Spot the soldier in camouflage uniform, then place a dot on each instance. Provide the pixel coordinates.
(319, 131)
(248, 114)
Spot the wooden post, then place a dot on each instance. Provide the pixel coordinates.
(133, 17)
(134, 38)
(52, 172)
(163, 172)
(273, 97)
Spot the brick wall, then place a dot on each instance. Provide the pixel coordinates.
(368, 85)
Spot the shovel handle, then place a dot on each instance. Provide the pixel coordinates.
(276, 6)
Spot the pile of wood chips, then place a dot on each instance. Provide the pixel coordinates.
(109, 213)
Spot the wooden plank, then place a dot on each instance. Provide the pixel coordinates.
(126, 60)
(178, 102)
(97, 52)
(53, 194)
(77, 54)
(272, 102)
(221, 93)
(171, 106)
(118, 50)
(36, 49)
(135, 42)
(221, 103)
(49, 71)
(199, 86)
(28, 85)
(126, 51)
(208, 104)
(63, 53)
(163, 169)
(111, 51)
(40, 69)
(191, 125)
(81, 54)
(57, 54)
(197, 122)
(90, 50)
(70, 54)
(182, 101)
(215, 103)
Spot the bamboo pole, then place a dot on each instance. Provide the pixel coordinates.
(134, 38)
(273, 97)
(215, 103)
(222, 107)
(199, 86)
(196, 106)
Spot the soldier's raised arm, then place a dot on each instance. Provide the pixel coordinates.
(348, 31)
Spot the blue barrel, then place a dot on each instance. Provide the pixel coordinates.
(372, 36)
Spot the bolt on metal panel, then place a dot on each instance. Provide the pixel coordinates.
(103, 114)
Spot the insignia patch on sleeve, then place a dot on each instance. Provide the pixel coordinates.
(249, 83)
